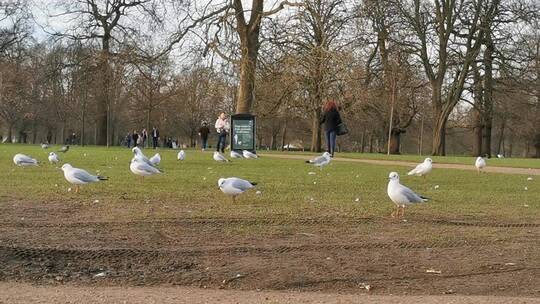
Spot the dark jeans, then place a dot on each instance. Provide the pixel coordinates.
(331, 141)
(155, 142)
(204, 142)
(222, 140)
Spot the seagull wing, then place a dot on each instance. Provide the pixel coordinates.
(240, 184)
(83, 176)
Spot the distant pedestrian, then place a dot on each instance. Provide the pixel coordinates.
(155, 137)
(73, 139)
(135, 138)
(203, 133)
(144, 135)
(331, 120)
(222, 128)
(128, 140)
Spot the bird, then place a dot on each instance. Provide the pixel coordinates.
(234, 186)
(480, 163)
(220, 157)
(401, 195)
(500, 156)
(64, 149)
(44, 146)
(139, 155)
(24, 160)
(53, 158)
(320, 161)
(248, 154)
(142, 169)
(422, 169)
(235, 154)
(80, 177)
(156, 159)
(181, 155)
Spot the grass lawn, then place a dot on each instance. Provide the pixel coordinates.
(189, 188)
(465, 160)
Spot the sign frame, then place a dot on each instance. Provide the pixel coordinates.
(243, 117)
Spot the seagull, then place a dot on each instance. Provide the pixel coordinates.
(139, 155)
(64, 149)
(320, 161)
(155, 160)
(422, 169)
(44, 146)
(500, 156)
(220, 157)
(181, 155)
(401, 195)
(24, 160)
(235, 154)
(141, 168)
(248, 154)
(234, 186)
(53, 158)
(79, 176)
(480, 163)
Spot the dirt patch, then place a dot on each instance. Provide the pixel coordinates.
(506, 170)
(330, 254)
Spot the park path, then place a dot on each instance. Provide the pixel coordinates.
(505, 170)
(15, 293)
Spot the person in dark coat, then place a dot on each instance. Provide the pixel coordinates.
(331, 120)
(155, 137)
(135, 138)
(203, 133)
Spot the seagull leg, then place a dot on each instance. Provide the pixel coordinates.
(402, 211)
(77, 189)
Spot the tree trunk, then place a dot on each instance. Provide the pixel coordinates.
(103, 95)
(362, 141)
(488, 96)
(10, 133)
(477, 134)
(316, 141)
(284, 135)
(439, 136)
(394, 142)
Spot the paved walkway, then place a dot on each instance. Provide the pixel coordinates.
(506, 170)
(15, 293)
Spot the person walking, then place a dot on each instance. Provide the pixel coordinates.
(222, 128)
(203, 133)
(135, 138)
(331, 120)
(144, 135)
(128, 140)
(155, 137)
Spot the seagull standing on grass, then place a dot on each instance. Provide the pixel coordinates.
(79, 177)
(44, 146)
(64, 149)
(220, 157)
(480, 163)
(248, 154)
(320, 161)
(234, 186)
(235, 154)
(139, 155)
(155, 160)
(142, 169)
(53, 158)
(24, 160)
(422, 169)
(401, 195)
(181, 155)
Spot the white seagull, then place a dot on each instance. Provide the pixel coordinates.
(44, 146)
(480, 163)
(24, 160)
(181, 155)
(235, 154)
(320, 161)
(248, 154)
(422, 169)
(234, 186)
(79, 176)
(155, 160)
(64, 149)
(53, 158)
(142, 169)
(219, 157)
(500, 156)
(401, 195)
(139, 155)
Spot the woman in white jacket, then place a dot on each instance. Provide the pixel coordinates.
(222, 128)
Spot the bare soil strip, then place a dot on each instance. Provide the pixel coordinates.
(506, 170)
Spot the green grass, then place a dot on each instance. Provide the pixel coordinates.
(189, 188)
(464, 160)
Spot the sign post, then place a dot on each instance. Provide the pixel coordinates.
(243, 132)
